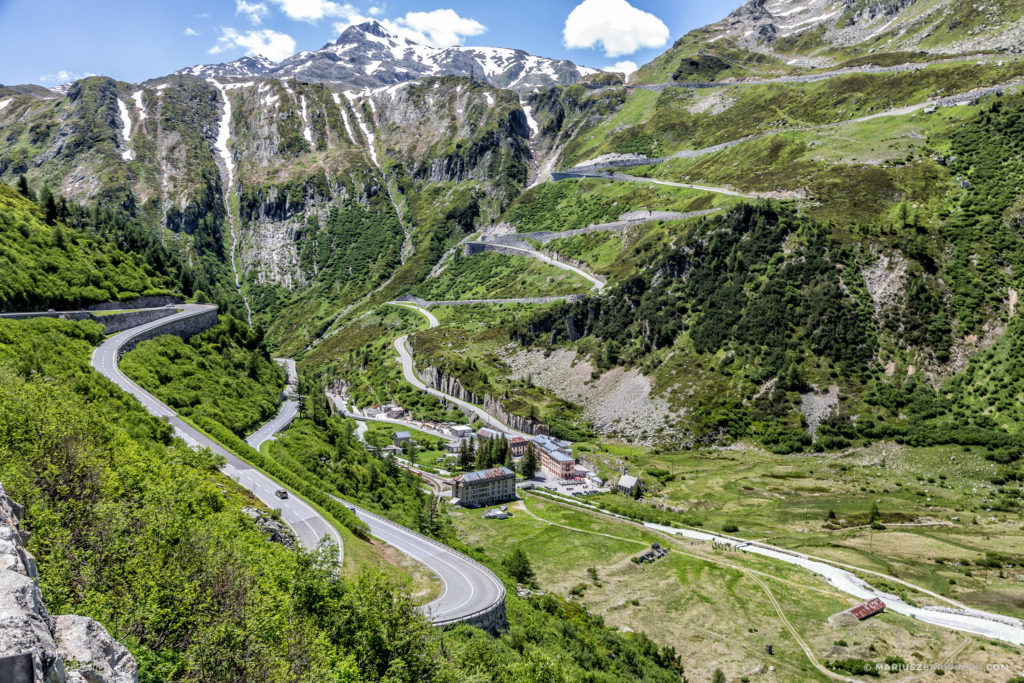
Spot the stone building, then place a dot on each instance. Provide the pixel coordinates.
(484, 487)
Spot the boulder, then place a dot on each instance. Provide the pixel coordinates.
(97, 657)
(25, 626)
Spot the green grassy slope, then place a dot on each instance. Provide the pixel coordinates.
(222, 374)
(49, 265)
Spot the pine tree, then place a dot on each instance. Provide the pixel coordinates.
(528, 464)
(23, 189)
(465, 453)
(49, 205)
(518, 566)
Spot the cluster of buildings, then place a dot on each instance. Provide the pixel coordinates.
(555, 456)
(389, 411)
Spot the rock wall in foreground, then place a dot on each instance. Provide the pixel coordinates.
(35, 645)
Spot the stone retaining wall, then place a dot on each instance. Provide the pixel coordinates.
(450, 385)
(141, 302)
(493, 620)
(183, 327)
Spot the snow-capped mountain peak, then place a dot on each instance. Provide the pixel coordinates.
(368, 55)
(245, 67)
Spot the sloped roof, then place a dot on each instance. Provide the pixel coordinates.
(627, 480)
(492, 474)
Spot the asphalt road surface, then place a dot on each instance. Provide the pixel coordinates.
(309, 526)
(289, 409)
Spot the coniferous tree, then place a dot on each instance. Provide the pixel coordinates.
(528, 464)
(23, 189)
(518, 565)
(466, 453)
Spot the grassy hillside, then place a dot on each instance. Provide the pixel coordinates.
(46, 264)
(499, 276)
(223, 374)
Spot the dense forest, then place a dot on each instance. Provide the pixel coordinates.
(62, 255)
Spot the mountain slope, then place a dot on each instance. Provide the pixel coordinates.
(52, 266)
(777, 36)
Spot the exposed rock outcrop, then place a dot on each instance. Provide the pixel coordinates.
(452, 386)
(275, 530)
(63, 649)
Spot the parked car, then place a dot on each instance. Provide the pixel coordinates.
(281, 493)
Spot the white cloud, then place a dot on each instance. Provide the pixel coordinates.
(441, 27)
(254, 11)
(313, 10)
(625, 67)
(438, 28)
(271, 44)
(376, 11)
(64, 76)
(615, 24)
(190, 31)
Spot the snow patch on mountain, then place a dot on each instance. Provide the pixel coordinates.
(139, 107)
(4, 103)
(354, 99)
(126, 130)
(306, 132)
(344, 116)
(530, 121)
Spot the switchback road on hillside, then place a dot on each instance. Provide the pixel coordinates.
(810, 78)
(308, 524)
(409, 372)
(288, 411)
(958, 99)
(469, 588)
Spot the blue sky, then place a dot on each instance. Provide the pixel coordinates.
(52, 41)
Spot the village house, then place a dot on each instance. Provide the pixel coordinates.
(518, 446)
(628, 485)
(462, 432)
(486, 434)
(484, 487)
(401, 438)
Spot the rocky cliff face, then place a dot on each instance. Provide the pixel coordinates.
(64, 648)
(452, 386)
(947, 26)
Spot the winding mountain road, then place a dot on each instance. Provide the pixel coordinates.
(288, 411)
(409, 372)
(470, 590)
(308, 524)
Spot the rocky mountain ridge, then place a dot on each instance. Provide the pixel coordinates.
(369, 56)
(949, 26)
(243, 67)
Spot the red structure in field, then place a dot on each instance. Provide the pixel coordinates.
(867, 609)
